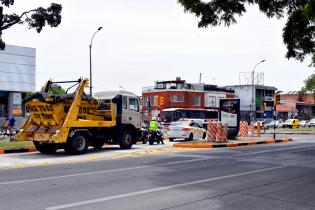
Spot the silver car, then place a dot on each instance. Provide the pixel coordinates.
(312, 123)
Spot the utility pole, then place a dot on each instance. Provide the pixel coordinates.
(99, 28)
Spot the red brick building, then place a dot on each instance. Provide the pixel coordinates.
(296, 105)
(180, 94)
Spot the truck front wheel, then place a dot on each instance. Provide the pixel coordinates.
(78, 144)
(45, 148)
(126, 140)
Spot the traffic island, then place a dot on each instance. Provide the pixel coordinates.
(7, 147)
(202, 144)
(17, 150)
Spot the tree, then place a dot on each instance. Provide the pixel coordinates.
(56, 89)
(35, 18)
(309, 85)
(298, 33)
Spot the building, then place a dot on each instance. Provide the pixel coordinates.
(17, 78)
(252, 101)
(296, 105)
(180, 94)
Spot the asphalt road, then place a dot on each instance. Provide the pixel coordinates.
(279, 176)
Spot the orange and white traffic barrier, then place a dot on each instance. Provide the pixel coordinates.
(209, 131)
(258, 129)
(213, 125)
(219, 132)
(252, 129)
(243, 129)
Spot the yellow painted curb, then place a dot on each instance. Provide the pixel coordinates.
(205, 146)
(271, 141)
(232, 144)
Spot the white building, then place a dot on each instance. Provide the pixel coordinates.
(17, 77)
(252, 100)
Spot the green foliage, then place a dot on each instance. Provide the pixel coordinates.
(309, 85)
(35, 18)
(298, 33)
(56, 89)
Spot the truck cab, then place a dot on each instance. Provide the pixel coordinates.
(127, 106)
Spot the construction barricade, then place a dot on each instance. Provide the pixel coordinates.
(252, 129)
(216, 132)
(243, 129)
(209, 131)
(258, 129)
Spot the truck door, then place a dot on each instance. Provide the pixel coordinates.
(131, 111)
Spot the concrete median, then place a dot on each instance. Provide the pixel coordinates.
(230, 144)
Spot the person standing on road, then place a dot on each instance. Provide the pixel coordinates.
(154, 127)
(11, 122)
(8, 123)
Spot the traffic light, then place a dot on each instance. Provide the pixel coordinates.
(265, 106)
(161, 100)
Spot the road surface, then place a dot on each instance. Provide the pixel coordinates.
(278, 176)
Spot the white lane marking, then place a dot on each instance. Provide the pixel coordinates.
(101, 172)
(273, 150)
(102, 199)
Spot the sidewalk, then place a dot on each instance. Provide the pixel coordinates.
(242, 141)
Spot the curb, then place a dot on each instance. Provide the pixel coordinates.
(239, 144)
(17, 150)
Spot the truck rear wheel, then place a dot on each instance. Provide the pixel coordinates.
(45, 148)
(78, 144)
(126, 139)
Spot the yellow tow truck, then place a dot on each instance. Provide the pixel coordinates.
(74, 122)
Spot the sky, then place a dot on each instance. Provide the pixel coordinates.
(147, 40)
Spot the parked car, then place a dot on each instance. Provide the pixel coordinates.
(188, 130)
(311, 123)
(304, 123)
(278, 123)
(291, 123)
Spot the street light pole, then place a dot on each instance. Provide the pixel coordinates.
(254, 90)
(99, 28)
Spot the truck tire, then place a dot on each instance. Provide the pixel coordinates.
(45, 148)
(171, 139)
(78, 144)
(126, 140)
(97, 144)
